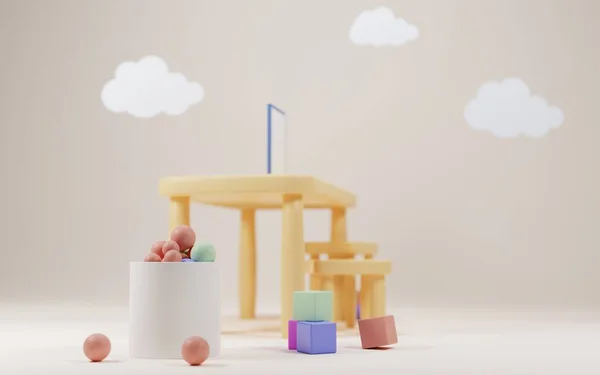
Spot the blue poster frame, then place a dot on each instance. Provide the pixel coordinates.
(270, 109)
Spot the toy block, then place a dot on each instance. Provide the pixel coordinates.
(317, 337)
(313, 306)
(292, 334)
(377, 332)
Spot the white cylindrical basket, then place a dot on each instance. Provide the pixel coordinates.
(169, 302)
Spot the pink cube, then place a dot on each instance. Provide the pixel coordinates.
(377, 332)
(292, 334)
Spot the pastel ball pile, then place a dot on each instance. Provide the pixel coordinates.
(181, 247)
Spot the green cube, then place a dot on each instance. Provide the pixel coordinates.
(313, 306)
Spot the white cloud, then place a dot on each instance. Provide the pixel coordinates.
(507, 109)
(147, 88)
(379, 27)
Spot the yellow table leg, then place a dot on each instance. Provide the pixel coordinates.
(338, 234)
(366, 294)
(338, 298)
(378, 298)
(316, 281)
(247, 264)
(179, 212)
(350, 301)
(292, 255)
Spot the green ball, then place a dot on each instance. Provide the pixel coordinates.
(203, 252)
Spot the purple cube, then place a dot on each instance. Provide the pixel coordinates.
(292, 334)
(316, 337)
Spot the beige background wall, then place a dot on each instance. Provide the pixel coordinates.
(467, 218)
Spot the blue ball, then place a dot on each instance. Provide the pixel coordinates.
(187, 260)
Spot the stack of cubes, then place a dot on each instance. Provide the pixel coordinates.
(311, 330)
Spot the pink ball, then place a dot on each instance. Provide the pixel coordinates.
(96, 347)
(184, 236)
(172, 256)
(152, 258)
(170, 245)
(157, 248)
(195, 350)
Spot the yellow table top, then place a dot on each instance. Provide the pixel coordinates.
(256, 191)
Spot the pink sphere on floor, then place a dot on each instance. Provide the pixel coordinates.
(184, 236)
(152, 257)
(170, 245)
(195, 350)
(172, 256)
(157, 248)
(96, 347)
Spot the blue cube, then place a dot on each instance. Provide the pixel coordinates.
(316, 337)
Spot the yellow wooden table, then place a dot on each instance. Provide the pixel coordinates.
(290, 193)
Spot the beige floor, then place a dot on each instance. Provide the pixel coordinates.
(47, 340)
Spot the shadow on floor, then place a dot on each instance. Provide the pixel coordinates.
(207, 364)
(106, 361)
(421, 347)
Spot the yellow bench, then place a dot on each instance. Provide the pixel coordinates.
(339, 272)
